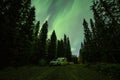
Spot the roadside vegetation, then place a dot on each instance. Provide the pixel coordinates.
(110, 70)
(69, 72)
(24, 42)
(100, 49)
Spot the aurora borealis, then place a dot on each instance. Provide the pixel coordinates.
(65, 17)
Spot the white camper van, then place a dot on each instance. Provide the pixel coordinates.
(59, 61)
(62, 61)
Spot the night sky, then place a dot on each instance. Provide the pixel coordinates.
(65, 17)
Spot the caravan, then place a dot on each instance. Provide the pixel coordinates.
(59, 61)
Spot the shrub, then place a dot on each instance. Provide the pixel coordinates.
(42, 62)
(111, 70)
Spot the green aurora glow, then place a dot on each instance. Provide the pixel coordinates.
(65, 17)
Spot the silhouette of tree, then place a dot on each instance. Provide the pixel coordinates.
(42, 42)
(11, 25)
(68, 50)
(52, 47)
(60, 48)
(104, 42)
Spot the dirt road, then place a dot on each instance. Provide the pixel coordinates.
(69, 72)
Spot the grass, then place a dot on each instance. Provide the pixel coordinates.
(69, 72)
(21, 73)
(111, 70)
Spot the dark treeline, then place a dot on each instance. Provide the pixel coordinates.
(22, 42)
(102, 38)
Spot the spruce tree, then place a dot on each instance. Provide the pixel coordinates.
(52, 49)
(68, 52)
(65, 45)
(10, 25)
(37, 29)
(105, 33)
(60, 48)
(42, 43)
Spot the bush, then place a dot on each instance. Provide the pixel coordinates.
(111, 70)
(42, 62)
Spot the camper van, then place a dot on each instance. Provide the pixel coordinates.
(59, 61)
(62, 61)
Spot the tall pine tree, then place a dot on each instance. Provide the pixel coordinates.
(42, 43)
(52, 49)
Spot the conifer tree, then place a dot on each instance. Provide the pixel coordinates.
(105, 33)
(52, 49)
(37, 29)
(60, 48)
(65, 45)
(42, 42)
(68, 50)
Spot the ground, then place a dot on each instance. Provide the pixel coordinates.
(68, 72)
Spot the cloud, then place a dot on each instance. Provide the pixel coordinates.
(56, 8)
(65, 17)
(72, 49)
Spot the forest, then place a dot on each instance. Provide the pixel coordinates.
(101, 46)
(102, 38)
(26, 49)
(23, 41)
